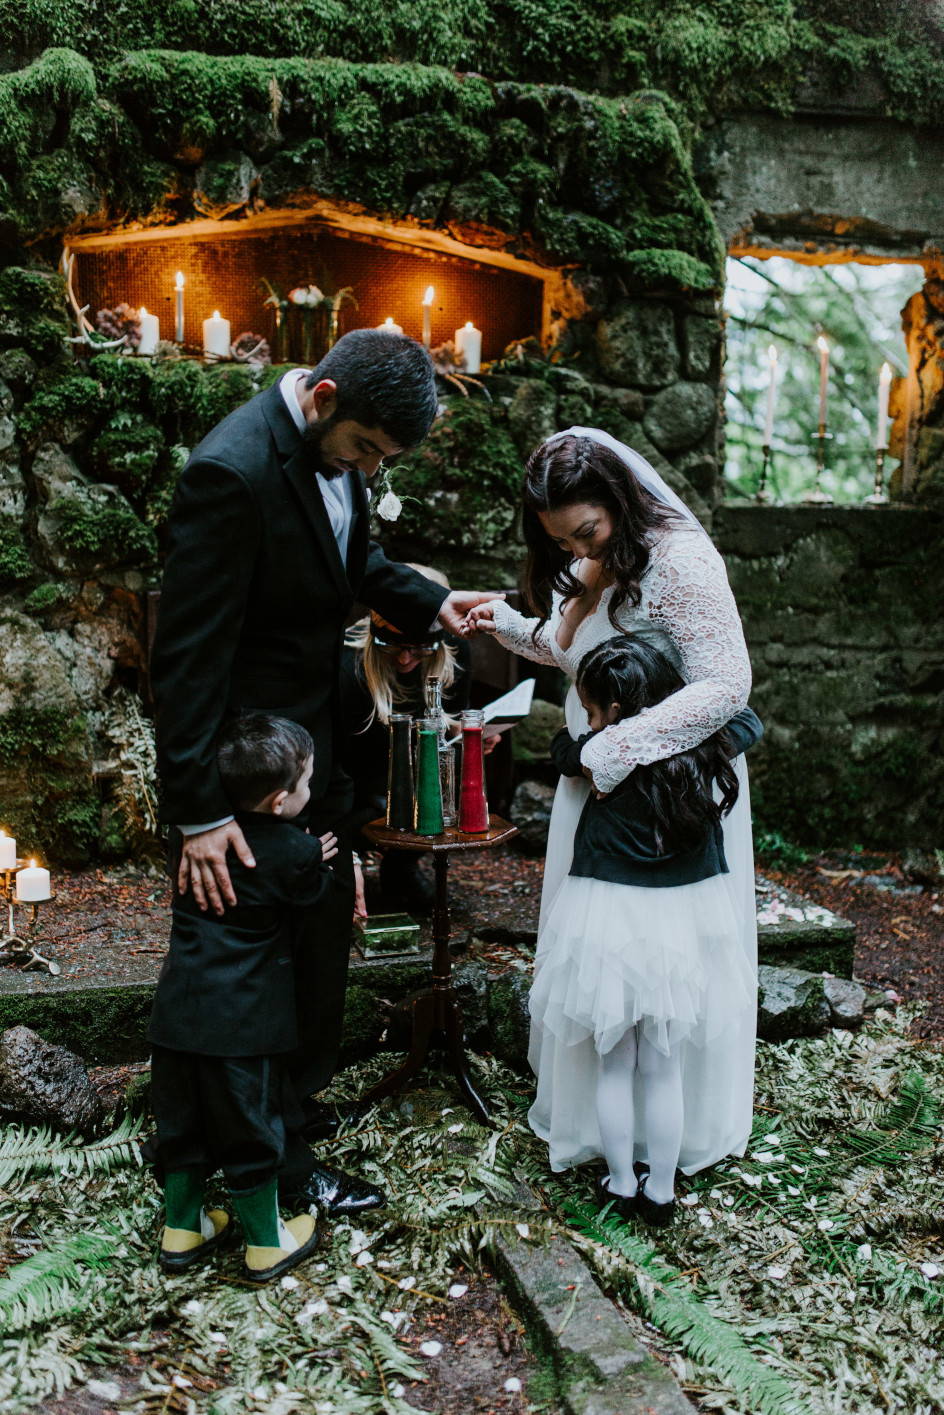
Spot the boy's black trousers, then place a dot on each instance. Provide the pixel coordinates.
(227, 1112)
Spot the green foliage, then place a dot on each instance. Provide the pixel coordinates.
(15, 564)
(467, 474)
(32, 309)
(778, 853)
(127, 451)
(71, 399)
(43, 731)
(667, 1302)
(110, 532)
(45, 596)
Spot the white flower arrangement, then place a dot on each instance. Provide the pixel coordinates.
(389, 504)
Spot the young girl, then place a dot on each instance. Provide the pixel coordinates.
(640, 950)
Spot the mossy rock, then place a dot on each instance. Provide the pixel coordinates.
(465, 479)
(127, 451)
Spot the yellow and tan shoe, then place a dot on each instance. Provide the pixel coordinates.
(298, 1239)
(182, 1249)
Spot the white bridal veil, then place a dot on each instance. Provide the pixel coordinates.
(642, 470)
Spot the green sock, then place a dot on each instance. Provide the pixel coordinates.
(183, 1198)
(259, 1215)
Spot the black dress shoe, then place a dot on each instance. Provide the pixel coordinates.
(322, 1122)
(623, 1205)
(334, 1192)
(652, 1214)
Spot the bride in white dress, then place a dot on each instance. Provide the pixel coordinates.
(594, 526)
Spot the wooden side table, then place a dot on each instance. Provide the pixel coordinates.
(438, 1009)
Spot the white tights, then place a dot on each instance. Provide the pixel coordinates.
(662, 1101)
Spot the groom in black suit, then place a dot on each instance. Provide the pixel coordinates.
(269, 547)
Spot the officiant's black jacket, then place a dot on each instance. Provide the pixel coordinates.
(254, 601)
(616, 835)
(227, 987)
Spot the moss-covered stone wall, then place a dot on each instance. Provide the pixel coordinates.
(841, 608)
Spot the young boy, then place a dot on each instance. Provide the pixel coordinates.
(224, 1013)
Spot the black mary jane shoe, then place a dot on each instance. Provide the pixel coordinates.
(652, 1214)
(322, 1121)
(622, 1205)
(334, 1192)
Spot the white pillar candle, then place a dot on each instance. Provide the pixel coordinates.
(771, 395)
(469, 342)
(150, 331)
(427, 312)
(389, 327)
(179, 323)
(216, 336)
(7, 851)
(884, 382)
(32, 884)
(823, 377)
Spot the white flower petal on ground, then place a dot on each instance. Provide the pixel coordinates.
(705, 1219)
(181, 1382)
(458, 1289)
(398, 1391)
(824, 1224)
(431, 1348)
(778, 1274)
(219, 1337)
(774, 1179)
(715, 1194)
(344, 1283)
(864, 1251)
(359, 1240)
(193, 1308)
(791, 1189)
(764, 1157)
(818, 1150)
(512, 1385)
(728, 1201)
(524, 1230)
(289, 1283)
(454, 1129)
(363, 1258)
(689, 1201)
(104, 1390)
(930, 1269)
(406, 1283)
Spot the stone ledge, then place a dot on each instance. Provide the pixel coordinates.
(599, 1365)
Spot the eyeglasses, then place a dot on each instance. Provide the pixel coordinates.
(397, 646)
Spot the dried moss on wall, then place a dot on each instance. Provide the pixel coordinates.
(720, 53)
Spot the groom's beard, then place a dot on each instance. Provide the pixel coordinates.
(312, 439)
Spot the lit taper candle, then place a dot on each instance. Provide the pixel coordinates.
(179, 325)
(884, 383)
(771, 395)
(823, 377)
(427, 314)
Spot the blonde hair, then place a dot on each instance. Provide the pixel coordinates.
(380, 670)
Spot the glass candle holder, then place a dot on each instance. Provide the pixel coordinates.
(473, 806)
(400, 804)
(429, 811)
(447, 783)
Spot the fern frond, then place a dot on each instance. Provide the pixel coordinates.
(39, 1150)
(680, 1315)
(50, 1283)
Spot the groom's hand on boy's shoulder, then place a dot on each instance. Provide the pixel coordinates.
(203, 866)
(455, 608)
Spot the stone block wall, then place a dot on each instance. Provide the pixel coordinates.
(842, 611)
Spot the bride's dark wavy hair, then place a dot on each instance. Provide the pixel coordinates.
(565, 472)
(636, 675)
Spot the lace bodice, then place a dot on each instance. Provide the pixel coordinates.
(687, 610)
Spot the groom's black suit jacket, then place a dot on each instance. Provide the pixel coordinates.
(254, 601)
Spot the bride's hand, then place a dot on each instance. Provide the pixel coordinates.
(480, 620)
(589, 572)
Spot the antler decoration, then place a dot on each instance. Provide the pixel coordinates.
(86, 330)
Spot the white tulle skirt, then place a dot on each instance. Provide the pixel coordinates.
(680, 962)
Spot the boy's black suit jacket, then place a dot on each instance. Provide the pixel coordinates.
(227, 987)
(255, 598)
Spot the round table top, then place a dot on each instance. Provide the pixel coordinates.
(379, 833)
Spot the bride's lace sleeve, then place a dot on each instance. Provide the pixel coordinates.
(516, 633)
(688, 596)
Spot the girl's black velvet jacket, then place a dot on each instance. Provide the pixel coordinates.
(616, 836)
(227, 987)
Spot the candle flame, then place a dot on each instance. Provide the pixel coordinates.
(469, 324)
(429, 296)
(389, 321)
(179, 280)
(142, 312)
(3, 833)
(32, 864)
(772, 354)
(822, 345)
(886, 372)
(216, 314)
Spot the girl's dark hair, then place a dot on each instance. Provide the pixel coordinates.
(565, 472)
(384, 380)
(258, 753)
(636, 675)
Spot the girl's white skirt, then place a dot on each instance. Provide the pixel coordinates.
(680, 962)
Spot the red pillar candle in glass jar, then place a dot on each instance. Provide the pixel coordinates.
(473, 806)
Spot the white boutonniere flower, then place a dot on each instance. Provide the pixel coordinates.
(389, 506)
